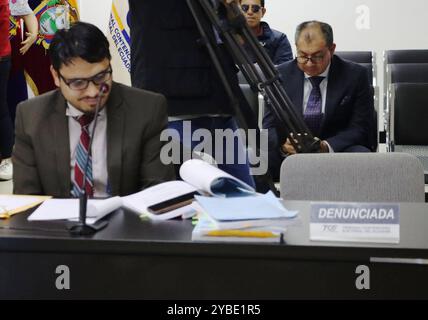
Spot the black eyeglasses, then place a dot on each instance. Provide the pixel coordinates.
(82, 84)
(254, 7)
(314, 59)
(303, 59)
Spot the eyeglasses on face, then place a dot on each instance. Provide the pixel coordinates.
(314, 59)
(254, 7)
(82, 84)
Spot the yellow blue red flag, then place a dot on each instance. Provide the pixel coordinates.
(120, 39)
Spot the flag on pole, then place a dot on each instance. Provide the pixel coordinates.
(51, 15)
(120, 40)
(32, 69)
(54, 15)
(13, 27)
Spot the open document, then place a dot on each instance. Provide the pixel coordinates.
(212, 180)
(163, 201)
(199, 177)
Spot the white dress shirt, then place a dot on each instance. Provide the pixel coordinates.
(99, 148)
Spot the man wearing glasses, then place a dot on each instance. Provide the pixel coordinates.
(54, 129)
(274, 42)
(334, 96)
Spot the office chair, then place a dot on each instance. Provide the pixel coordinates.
(404, 56)
(361, 177)
(356, 56)
(407, 72)
(408, 120)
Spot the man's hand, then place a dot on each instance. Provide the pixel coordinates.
(288, 148)
(324, 147)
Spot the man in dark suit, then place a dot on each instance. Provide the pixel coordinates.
(53, 130)
(333, 95)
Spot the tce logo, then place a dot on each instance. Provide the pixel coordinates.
(329, 228)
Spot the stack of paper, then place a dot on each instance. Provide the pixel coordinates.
(259, 218)
(13, 204)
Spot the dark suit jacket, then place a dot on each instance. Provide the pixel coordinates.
(168, 57)
(349, 109)
(135, 119)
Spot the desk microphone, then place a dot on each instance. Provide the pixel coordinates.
(81, 228)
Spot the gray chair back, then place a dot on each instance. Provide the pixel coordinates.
(356, 56)
(409, 113)
(406, 56)
(408, 72)
(359, 177)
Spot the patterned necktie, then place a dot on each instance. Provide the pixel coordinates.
(313, 112)
(81, 154)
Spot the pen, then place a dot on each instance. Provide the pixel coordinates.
(241, 233)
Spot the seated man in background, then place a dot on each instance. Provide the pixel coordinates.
(274, 42)
(334, 96)
(53, 130)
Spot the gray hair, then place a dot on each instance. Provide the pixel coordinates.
(325, 28)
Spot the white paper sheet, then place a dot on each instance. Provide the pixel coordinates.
(68, 209)
(11, 202)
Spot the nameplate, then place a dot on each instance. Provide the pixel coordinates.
(355, 222)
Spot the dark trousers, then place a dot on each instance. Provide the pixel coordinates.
(6, 126)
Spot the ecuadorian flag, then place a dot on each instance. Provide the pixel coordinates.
(32, 69)
(120, 40)
(53, 15)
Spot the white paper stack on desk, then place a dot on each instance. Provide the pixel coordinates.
(199, 177)
(254, 218)
(161, 202)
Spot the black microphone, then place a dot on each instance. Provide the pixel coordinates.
(81, 228)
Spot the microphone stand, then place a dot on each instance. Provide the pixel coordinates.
(81, 228)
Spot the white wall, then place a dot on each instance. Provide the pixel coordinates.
(392, 24)
(96, 12)
(375, 25)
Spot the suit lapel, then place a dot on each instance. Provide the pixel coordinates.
(115, 128)
(59, 123)
(334, 91)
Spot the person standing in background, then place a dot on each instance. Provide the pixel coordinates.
(167, 56)
(21, 9)
(6, 128)
(274, 42)
(18, 8)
